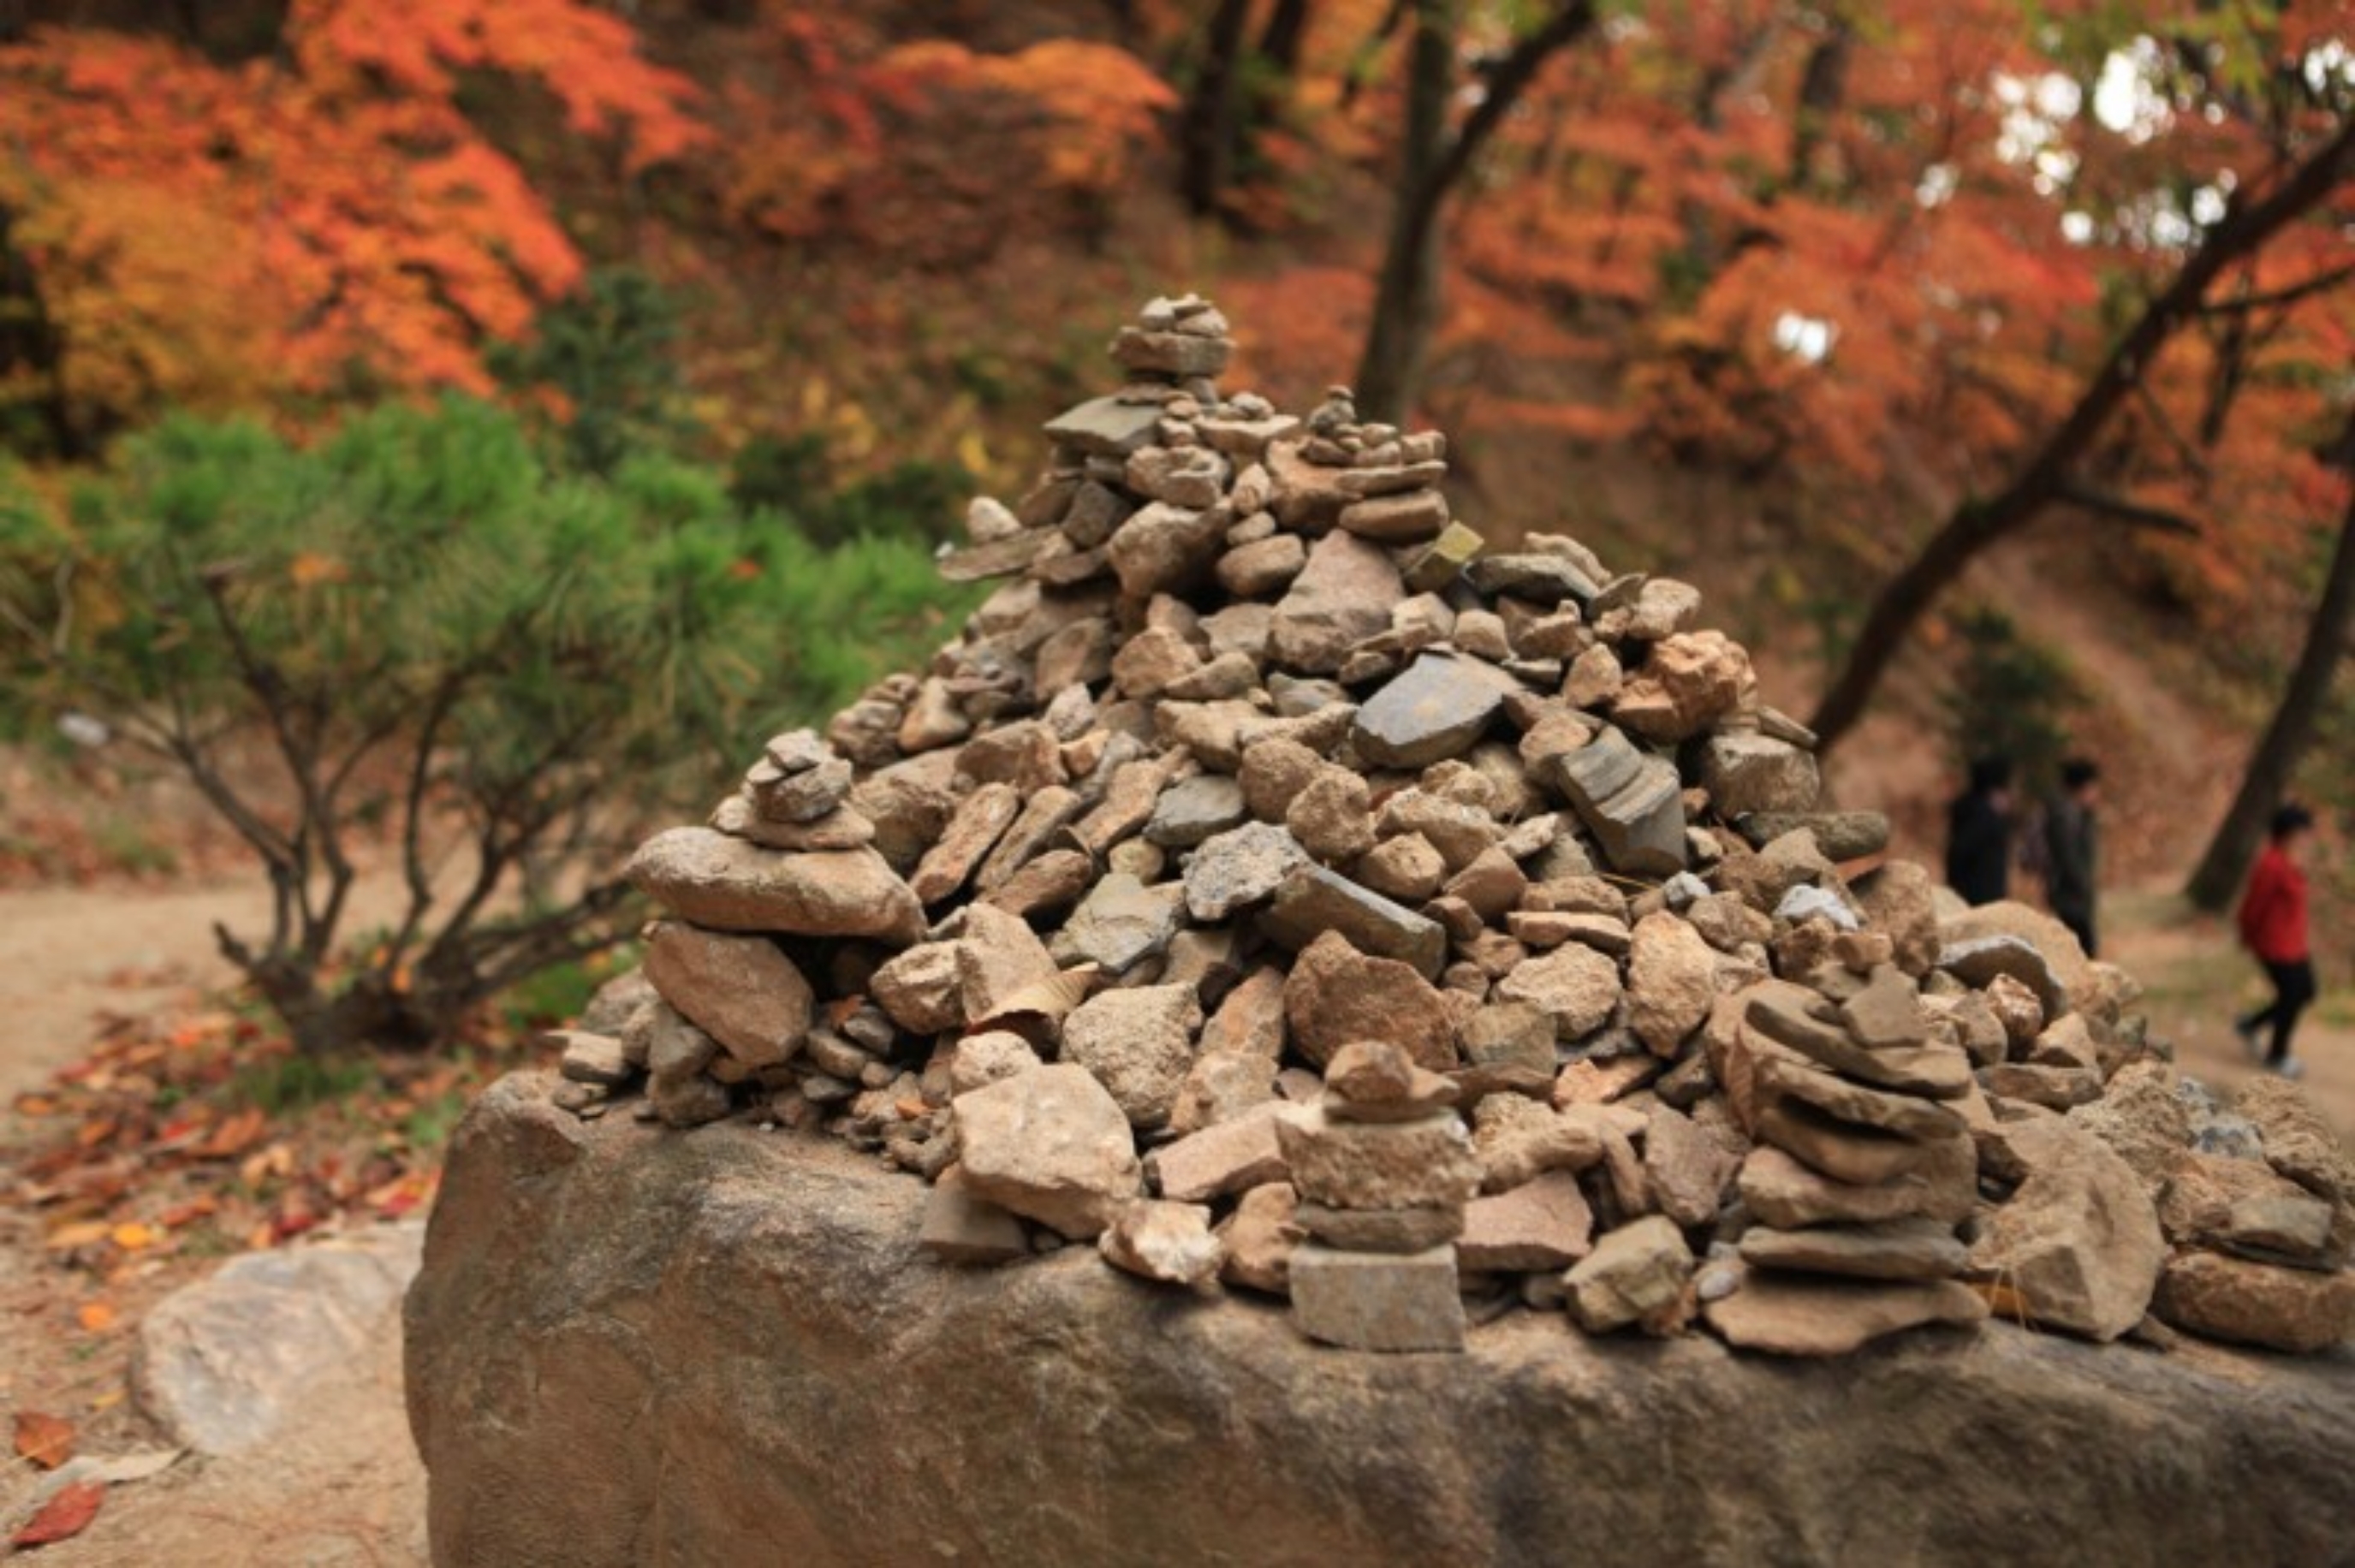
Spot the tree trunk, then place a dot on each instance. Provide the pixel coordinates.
(2274, 762)
(1406, 295)
(369, 1012)
(1976, 525)
(31, 343)
(1287, 27)
(1213, 110)
(1823, 86)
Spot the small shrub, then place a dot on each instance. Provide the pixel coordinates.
(602, 361)
(278, 1084)
(444, 640)
(430, 1125)
(794, 475)
(2012, 697)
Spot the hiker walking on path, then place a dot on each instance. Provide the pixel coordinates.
(2272, 921)
(1978, 834)
(2071, 850)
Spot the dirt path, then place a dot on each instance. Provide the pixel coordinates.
(339, 1487)
(71, 956)
(2196, 979)
(342, 1485)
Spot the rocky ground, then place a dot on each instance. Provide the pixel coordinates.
(343, 1484)
(716, 1292)
(1268, 826)
(1378, 782)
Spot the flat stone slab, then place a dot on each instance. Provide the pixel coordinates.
(223, 1364)
(727, 1346)
(1435, 710)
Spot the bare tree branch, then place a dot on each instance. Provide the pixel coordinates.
(2322, 283)
(1976, 525)
(2134, 513)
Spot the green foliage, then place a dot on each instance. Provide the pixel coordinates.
(556, 993)
(2012, 697)
(642, 625)
(27, 544)
(794, 475)
(606, 351)
(127, 844)
(279, 1084)
(430, 1125)
(437, 633)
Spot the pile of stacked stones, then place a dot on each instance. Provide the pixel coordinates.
(1281, 891)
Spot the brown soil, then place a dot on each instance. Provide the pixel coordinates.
(342, 1485)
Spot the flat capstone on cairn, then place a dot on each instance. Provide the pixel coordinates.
(1284, 894)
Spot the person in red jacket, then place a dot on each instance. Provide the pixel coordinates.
(2273, 927)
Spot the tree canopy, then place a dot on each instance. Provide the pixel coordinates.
(1938, 273)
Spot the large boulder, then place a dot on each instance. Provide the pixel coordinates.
(631, 1346)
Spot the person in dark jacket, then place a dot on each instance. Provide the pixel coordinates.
(1978, 834)
(2072, 849)
(2273, 922)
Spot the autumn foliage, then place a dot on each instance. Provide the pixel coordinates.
(328, 216)
(1876, 268)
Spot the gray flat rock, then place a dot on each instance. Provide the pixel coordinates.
(223, 1364)
(1539, 579)
(1119, 925)
(1630, 800)
(1439, 708)
(1240, 868)
(1313, 900)
(1105, 427)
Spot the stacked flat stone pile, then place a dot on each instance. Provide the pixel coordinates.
(1285, 894)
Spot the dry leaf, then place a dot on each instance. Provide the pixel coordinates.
(132, 1237)
(133, 1466)
(96, 1317)
(196, 1208)
(64, 1238)
(63, 1516)
(47, 1440)
(309, 569)
(235, 1136)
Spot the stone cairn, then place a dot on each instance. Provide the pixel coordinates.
(1274, 888)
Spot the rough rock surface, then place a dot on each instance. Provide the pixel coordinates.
(2080, 1243)
(221, 1364)
(1372, 832)
(728, 884)
(1051, 1145)
(711, 1296)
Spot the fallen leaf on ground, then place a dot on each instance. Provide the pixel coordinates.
(95, 1316)
(235, 1136)
(47, 1440)
(63, 1516)
(131, 1237)
(82, 1234)
(180, 1214)
(137, 1466)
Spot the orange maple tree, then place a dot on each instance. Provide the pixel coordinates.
(1917, 259)
(837, 132)
(215, 235)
